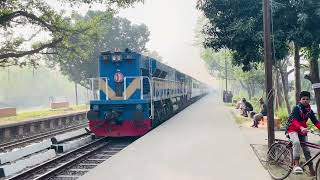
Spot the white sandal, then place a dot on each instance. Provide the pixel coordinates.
(297, 170)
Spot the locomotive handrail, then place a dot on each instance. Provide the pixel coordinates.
(99, 87)
(141, 93)
(141, 85)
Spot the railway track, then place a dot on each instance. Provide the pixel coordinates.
(76, 163)
(24, 141)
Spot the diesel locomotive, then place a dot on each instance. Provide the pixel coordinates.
(135, 93)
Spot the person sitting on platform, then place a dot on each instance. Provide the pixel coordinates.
(263, 112)
(246, 107)
(238, 104)
(297, 131)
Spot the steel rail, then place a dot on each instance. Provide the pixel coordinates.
(33, 171)
(11, 144)
(62, 167)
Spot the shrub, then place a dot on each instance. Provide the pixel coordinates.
(255, 104)
(282, 114)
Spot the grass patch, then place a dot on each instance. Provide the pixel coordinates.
(239, 119)
(42, 113)
(229, 104)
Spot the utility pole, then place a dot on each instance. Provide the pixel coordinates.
(225, 65)
(268, 70)
(76, 89)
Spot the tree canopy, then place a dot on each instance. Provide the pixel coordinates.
(24, 23)
(80, 61)
(220, 62)
(238, 26)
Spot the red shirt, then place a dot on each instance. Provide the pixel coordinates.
(299, 117)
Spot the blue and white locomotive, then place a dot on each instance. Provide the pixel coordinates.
(135, 93)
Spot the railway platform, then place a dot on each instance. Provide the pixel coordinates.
(201, 142)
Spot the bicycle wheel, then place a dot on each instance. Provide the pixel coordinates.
(318, 170)
(279, 161)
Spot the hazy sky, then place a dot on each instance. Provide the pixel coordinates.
(172, 26)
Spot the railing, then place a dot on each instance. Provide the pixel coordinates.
(136, 83)
(98, 84)
(164, 88)
(147, 96)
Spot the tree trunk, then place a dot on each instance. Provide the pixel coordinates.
(314, 73)
(285, 85)
(297, 71)
(249, 93)
(275, 85)
(76, 89)
(247, 88)
(252, 89)
(278, 90)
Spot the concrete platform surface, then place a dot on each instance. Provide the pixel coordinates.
(202, 142)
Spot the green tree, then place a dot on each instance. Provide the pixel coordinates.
(29, 87)
(237, 25)
(301, 21)
(251, 81)
(153, 54)
(39, 18)
(81, 61)
(123, 34)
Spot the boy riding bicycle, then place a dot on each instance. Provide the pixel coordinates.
(297, 130)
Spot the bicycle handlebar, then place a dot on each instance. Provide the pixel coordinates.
(313, 132)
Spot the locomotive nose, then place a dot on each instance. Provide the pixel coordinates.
(113, 117)
(92, 115)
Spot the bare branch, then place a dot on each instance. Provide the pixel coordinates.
(49, 53)
(290, 71)
(33, 51)
(8, 17)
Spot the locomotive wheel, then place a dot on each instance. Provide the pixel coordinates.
(156, 118)
(180, 104)
(167, 113)
(162, 115)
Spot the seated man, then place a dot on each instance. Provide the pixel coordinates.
(238, 104)
(259, 116)
(246, 107)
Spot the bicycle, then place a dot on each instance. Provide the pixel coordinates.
(280, 158)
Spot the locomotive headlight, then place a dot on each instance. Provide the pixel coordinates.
(116, 58)
(129, 56)
(95, 107)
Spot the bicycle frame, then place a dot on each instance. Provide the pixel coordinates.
(308, 144)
